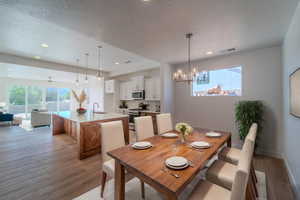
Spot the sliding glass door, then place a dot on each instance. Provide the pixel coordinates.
(24, 99)
(17, 99)
(64, 99)
(51, 99)
(35, 98)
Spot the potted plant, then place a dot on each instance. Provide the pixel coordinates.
(80, 99)
(184, 129)
(247, 113)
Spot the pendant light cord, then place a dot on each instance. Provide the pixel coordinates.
(87, 66)
(99, 60)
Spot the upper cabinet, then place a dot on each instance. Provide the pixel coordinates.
(126, 90)
(152, 89)
(110, 86)
(138, 83)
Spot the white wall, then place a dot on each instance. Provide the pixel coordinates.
(291, 139)
(167, 89)
(261, 80)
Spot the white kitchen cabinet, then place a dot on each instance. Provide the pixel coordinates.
(126, 90)
(138, 83)
(152, 89)
(110, 86)
(122, 91)
(148, 89)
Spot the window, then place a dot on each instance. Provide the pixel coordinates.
(51, 99)
(64, 99)
(17, 99)
(23, 99)
(222, 82)
(35, 98)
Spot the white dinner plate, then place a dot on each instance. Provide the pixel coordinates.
(200, 144)
(169, 135)
(176, 161)
(177, 168)
(142, 144)
(213, 134)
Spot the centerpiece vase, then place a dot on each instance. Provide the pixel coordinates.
(182, 138)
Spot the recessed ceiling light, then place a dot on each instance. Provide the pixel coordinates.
(44, 45)
(117, 63)
(37, 57)
(146, 0)
(209, 53)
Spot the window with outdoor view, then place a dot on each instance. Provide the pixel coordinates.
(24, 99)
(221, 82)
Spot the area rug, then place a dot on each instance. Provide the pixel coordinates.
(133, 192)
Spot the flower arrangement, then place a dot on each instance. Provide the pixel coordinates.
(80, 99)
(183, 128)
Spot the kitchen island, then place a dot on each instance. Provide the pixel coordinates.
(85, 129)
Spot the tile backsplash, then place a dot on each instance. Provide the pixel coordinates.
(153, 105)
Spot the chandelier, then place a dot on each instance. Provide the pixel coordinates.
(189, 75)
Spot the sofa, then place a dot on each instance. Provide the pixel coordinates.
(40, 118)
(6, 117)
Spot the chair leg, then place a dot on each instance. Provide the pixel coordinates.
(253, 183)
(103, 181)
(143, 189)
(253, 170)
(249, 191)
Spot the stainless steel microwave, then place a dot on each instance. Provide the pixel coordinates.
(138, 95)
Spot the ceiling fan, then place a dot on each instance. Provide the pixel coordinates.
(50, 79)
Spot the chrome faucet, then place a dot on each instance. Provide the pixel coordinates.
(94, 106)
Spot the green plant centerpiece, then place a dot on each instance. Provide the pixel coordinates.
(247, 113)
(184, 129)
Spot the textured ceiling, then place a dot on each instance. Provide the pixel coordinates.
(155, 30)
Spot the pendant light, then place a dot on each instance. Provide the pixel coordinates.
(86, 80)
(100, 73)
(190, 75)
(77, 75)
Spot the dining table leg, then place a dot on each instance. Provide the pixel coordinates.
(229, 141)
(119, 181)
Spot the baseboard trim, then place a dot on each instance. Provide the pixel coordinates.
(291, 178)
(267, 153)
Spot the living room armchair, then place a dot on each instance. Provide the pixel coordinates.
(40, 118)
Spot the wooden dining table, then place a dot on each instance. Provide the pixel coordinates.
(149, 165)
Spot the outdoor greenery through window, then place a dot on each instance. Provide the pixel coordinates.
(221, 82)
(24, 99)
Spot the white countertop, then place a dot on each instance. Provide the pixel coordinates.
(88, 116)
(149, 111)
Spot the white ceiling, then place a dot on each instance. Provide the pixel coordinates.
(33, 73)
(155, 30)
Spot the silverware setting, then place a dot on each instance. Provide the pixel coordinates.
(164, 169)
(191, 163)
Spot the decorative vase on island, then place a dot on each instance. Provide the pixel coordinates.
(81, 111)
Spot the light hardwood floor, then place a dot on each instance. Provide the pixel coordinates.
(37, 166)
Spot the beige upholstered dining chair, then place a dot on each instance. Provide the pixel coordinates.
(232, 155)
(164, 123)
(207, 190)
(112, 137)
(222, 173)
(143, 127)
